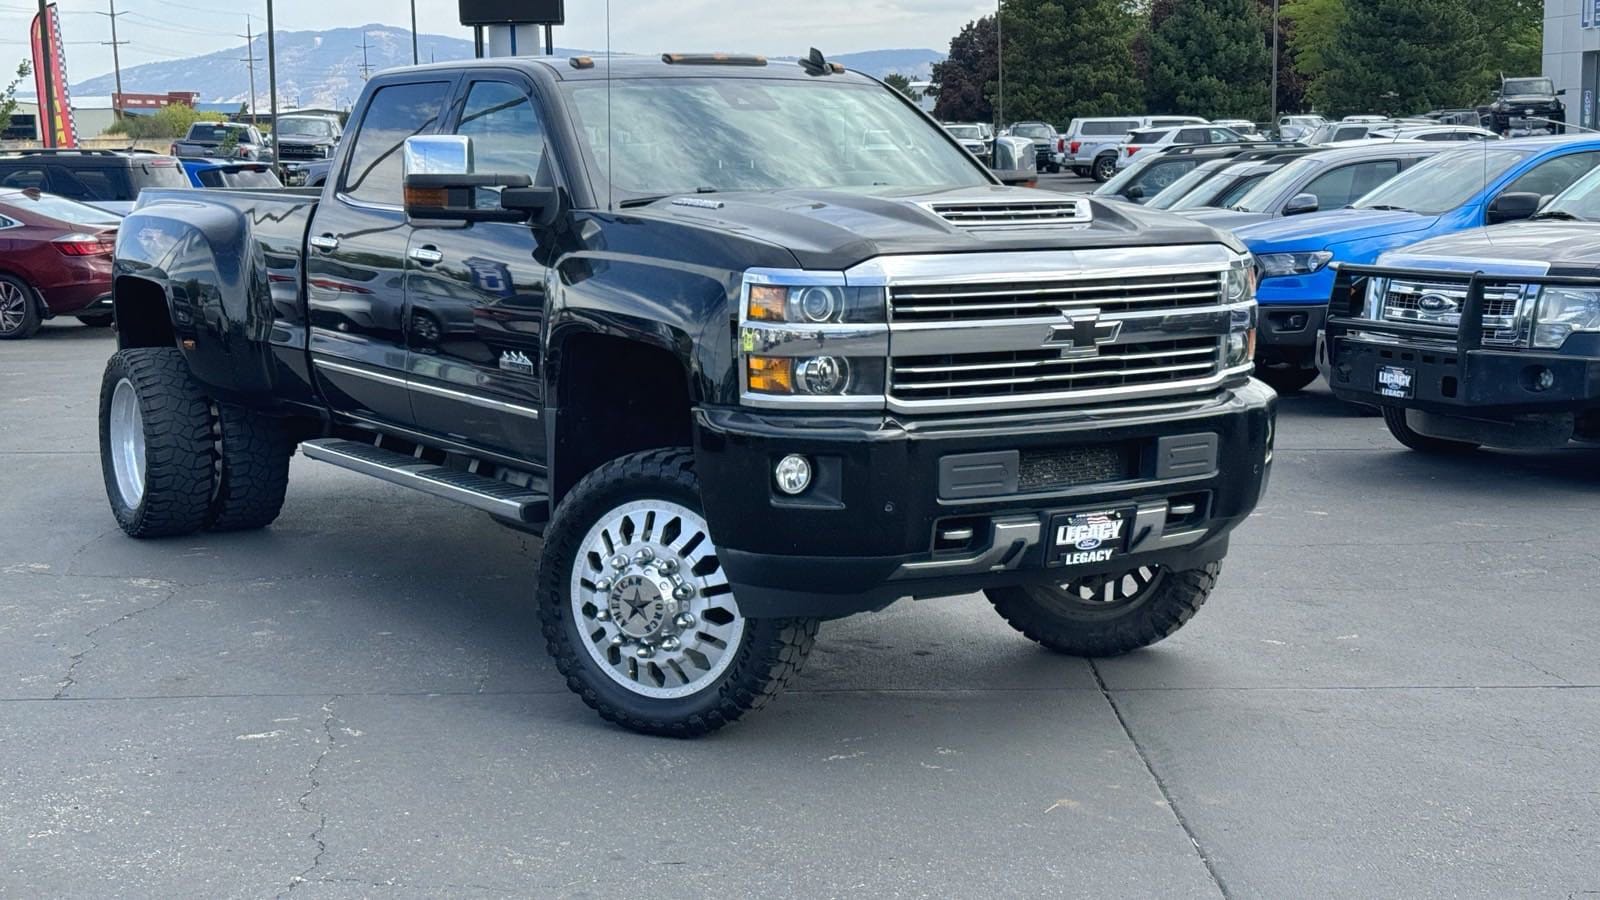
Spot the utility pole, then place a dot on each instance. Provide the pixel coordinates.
(1000, 72)
(116, 61)
(1272, 120)
(48, 106)
(272, 82)
(250, 58)
(414, 56)
(366, 67)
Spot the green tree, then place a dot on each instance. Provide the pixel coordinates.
(8, 97)
(1069, 58)
(1405, 56)
(1312, 28)
(1209, 58)
(170, 121)
(966, 77)
(899, 82)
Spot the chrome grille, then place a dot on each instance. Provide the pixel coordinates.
(1046, 299)
(299, 151)
(1404, 301)
(1009, 214)
(1045, 371)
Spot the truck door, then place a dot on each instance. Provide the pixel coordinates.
(476, 292)
(355, 258)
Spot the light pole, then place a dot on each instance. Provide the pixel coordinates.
(415, 58)
(1272, 119)
(1000, 77)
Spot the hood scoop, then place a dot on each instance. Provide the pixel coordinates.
(1010, 214)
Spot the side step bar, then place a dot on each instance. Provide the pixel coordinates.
(493, 496)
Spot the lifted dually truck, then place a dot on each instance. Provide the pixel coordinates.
(754, 382)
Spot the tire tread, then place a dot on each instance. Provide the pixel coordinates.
(1181, 594)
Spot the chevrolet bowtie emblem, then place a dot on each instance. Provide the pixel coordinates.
(1082, 333)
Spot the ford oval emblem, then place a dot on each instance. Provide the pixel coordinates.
(1436, 303)
(1088, 543)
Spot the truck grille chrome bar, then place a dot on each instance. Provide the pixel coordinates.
(1045, 371)
(1439, 303)
(1025, 299)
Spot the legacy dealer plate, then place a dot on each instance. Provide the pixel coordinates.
(1090, 537)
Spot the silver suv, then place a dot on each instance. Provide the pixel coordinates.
(1091, 146)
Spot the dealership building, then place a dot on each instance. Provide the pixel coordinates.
(1572, 55)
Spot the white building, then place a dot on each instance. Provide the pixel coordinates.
(1572, 56)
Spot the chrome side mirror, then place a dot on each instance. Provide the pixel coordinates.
(438, 154)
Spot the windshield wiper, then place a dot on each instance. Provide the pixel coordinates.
(1386, 207)
(1561, 214)
(652, 198)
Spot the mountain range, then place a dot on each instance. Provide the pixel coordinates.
(326, 68)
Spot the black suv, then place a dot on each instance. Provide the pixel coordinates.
(109, 179)
(1527, 105)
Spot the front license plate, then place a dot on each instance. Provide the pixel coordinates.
(1396, 381)
(1090, 537)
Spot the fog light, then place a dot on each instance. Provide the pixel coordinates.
(1539, 378)
(793, 474)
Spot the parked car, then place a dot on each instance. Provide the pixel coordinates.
(1222, 180)
(706, 488)
(1341, 132)
(1515, 310)
(209, 140)
(1433, 133)
(220, 173)
(309, 173)
(56, 257)
(1294, 128)
(108, 179)
(1525, 106)
(304, 137)
(972, 140)
(1456, 117)
(1044, 137)
(1453, 190)
(1157, 140)
(1091, 145)
(1157, 171)
(1324, 179)
(1242, 127)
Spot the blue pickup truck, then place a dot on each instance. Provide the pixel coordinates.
(1486, 337)
(1484, 184)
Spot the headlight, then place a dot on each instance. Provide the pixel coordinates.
(1241, 336)
(814, 304)
(1564, 310)
(1372, 309)
(809, 339)
(1274, 265)
(1241, 284)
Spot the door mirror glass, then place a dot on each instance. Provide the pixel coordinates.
(1301, 203)
(438, 154)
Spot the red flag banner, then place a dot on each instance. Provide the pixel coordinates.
(61, 131)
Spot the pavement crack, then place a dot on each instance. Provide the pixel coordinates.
(304, 802)
(1161, 785)
(70, 680)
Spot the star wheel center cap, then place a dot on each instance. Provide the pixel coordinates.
(638, 606)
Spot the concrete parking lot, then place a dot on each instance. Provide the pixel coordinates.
(1394, 692)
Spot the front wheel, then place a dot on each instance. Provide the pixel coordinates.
(156, 447)
(1394, 417)
(638, 612)
(19, 311)
(1106, 615)
(1104, 168)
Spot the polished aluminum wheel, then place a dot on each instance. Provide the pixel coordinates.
(13, 307)
(126, 426)
(651, 601)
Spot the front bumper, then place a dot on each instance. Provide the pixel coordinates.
(1288, 332)
(1482, 382)
(874, 527)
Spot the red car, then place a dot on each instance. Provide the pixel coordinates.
(55, 260)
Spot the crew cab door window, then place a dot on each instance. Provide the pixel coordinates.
(398, 111)
(475, 295)
(1554, 175)
(1340, 187)
(25, 178)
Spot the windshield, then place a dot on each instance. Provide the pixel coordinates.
(1442, 183)
(1260, 197)
(1033, 131)
(59, 208)
(1216, 189)
(965, 132)
(1528, 87)
(682, 135)
(1142, 181)
(1582, 200)
(310, 127)
(159, 172)
(1177, 190)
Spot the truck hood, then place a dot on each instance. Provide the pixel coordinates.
(1337, 226)
(1228, 219)
(835, 230)
(1519, 248)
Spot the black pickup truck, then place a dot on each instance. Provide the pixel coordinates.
(749, 345)
(1484, 337)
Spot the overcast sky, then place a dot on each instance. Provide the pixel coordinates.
(173, 29)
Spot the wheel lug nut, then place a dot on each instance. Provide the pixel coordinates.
(669, 644)
(667, 566)
(603, 585)
(684, 620)
(682, 592)
(645, 651)
(618, 641)
(602, 615)
(644, 555)
(619, 562)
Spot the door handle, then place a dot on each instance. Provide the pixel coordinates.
(425, 255)
(327, 243)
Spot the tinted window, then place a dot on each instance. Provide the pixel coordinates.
(1146, 137)
(1158, 176)
(1555, 175)
(396, 112)
(1190, 136)
(24, 177)
(1108, 128)
(507, 136)
(1033, 131)
(242, 178)
(92, 184)
(1350, 133)
(217, 132)
(1231, 196)
(1340, 187)
(1169, 123)
(160, 172)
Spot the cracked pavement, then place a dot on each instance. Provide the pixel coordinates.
(1393, 692)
